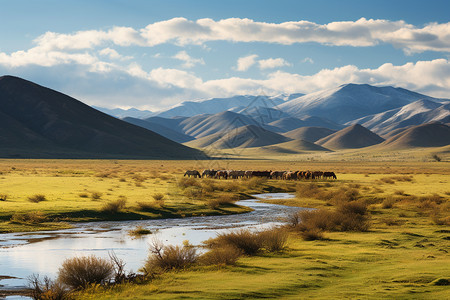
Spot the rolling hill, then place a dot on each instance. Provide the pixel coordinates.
(352, 137)
(350, 101)
(425, 135)
(310, 134)
(38, 122)
(243, 137)
(416, 113)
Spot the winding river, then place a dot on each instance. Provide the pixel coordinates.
(22, 254)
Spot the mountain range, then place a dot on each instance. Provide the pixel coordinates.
(40, 122)
(37, 122)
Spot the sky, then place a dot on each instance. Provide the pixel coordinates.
(156, 54)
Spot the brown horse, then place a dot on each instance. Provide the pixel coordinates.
(194, 173)
(209, 173)
(329, 175)
(221, 174)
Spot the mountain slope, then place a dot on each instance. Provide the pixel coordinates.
(416, 113)
(217, 105)
(355, 136)
(160, 129)
(65, 127)
(425, 135)
(221, 122)
(123, 113)
(310, 134)
(350, 101)
(242, 137)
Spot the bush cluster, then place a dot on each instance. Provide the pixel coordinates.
(349, 216)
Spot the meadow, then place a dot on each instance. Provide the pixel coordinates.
(403, 254)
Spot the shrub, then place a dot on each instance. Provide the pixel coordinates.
(115, 206)
(349, 216)
(184, 182)
(388, 202)
(37, 198)
(4, 197)
(163, 258)
(138, 231)
(79, 272)
(312, 234)
(255, 182)
(46, 288)
(225, 255)
(146, 206)
(249, 243)
(223, 199)
(96, 195)
(436, 157)
(274, 239)
(83, 195)
(158, 196)
(31, 218)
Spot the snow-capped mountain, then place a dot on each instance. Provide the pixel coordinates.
(216, 105)
(122, 113)
(350, 101)
(416, 113)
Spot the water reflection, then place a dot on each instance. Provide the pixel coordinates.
(19, 258)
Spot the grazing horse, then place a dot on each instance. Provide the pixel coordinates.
(318, 174)
(194, 173)
(277, 174)
(329, 175)
(209, 173)
(248, 174)
(221, 174)
(261, 174)
(290, 175)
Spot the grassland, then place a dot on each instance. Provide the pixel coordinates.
(403, 255)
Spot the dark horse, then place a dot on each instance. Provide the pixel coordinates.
(194, 173)
(329, 175)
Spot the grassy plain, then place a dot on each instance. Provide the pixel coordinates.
(404, 255)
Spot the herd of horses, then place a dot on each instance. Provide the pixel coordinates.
(284, 175)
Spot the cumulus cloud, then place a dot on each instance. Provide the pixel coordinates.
(189, 61)
(424, 76)
(272, 63)
(163, 87)
(244, 63)
(181, 31)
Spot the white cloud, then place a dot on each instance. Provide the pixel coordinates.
(307, 60)
(181, 31)
(111, 53)
(162, 87)
(244, 63)
(189, 61)
(272, 63)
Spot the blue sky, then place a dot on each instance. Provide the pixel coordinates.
(154, 54)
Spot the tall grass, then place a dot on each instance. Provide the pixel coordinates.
(163, 258)
(37, 198)
(115, 206)
(79, 272)
(348, 216)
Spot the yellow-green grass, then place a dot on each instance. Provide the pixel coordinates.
(402, 256)
(79, 191)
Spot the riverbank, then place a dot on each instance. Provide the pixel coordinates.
(46, 195)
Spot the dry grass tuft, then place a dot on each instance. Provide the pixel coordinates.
(37, 198)
(115, 206)
(79, 272)
(164, 258)
(225, 255)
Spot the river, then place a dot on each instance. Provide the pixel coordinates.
(24, 254)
